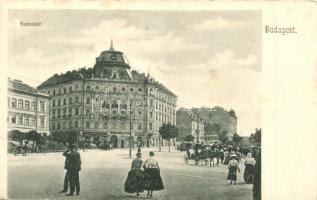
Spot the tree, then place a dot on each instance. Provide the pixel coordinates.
(255, 138)
(223, 137)
(189, 138)
(16, 135)
(167, 132)
(236, 139)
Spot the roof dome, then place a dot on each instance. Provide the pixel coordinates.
(111, 56)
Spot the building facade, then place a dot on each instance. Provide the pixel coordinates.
(189, 123)
(28, 109)
(219, 120)
(108, 101)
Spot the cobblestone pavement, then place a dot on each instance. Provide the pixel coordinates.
(103, 174)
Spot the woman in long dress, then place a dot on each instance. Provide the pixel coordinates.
(233, 167)
(152, 176)
(134, 181)
(249, 169)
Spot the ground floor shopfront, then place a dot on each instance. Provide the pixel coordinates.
(122, 140)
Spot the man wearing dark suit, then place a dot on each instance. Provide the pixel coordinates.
(66, 179)
(74, 166)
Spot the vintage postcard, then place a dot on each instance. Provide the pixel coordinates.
(158, 100)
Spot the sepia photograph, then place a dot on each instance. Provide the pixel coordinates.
(134, 104)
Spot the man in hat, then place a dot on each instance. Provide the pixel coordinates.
(66, 179)
(74, 166)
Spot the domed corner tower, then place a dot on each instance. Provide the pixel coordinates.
(112, 64)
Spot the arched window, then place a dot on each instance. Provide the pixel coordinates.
(54, 92)
(140, 90)
(70, 88)
(114, 89)
(88, 88)
(59, 91)
(14, 103)
(20, 104)
(123, 89)
(131, 89)
(65, 90)
(97, 87)
(76, 87)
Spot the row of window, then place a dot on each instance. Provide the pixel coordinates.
(70, 101)
(25, 120)
(97, 125)
(163, 108)
(88, 88)
(25, 104)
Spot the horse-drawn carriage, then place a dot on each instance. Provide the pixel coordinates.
(203, 155)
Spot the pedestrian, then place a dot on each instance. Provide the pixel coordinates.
(66, 178)
(249, 168)
(134, 181)
(152, 176)
(257, 178)
(233, 167)
(74, 166)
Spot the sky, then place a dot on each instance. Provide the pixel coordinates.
(207, 58)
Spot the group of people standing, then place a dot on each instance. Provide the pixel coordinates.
(252, 172)
(144, 176)
(72, 166)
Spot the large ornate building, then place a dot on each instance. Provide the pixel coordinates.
(217, 120)
(189, 123)
(108, 101)
(28, 109)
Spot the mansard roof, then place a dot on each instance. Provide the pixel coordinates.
(19, 86)
(110, 65)
(191, 114)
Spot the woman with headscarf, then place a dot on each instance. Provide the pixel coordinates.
(134, 181)
(249, 168)
(152, 176)
(233, 167)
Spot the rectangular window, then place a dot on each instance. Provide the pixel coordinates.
(33, 105)
(105, 125)
(76, 124)
(42, 106)
(64, 112)
(122, 125)
(27, 105)
(20, 119)
(32, 121)
(76, 99)
(70, 112)
(150, 126)
(59, 102)
(114, 112)
(53, 126)
(76, 111)
(64, 102)
(42, 122)
(70, 101)
(64, 125)
(26, 121)
(58, 125)
(87, 112)
(70, 124)
(151, 115)
(139, 126)
(14, 103)
(88, 100)
(53, 114)
(20, 104)
(13, 119)
(87, 124)
(53, 103)
(96, 125)
(58, 113)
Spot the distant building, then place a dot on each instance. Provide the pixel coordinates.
(189, 123)
(108, 101)
(28, 109)
(217, 120)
